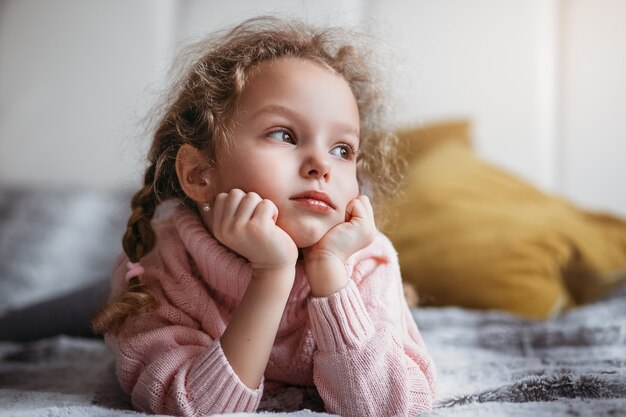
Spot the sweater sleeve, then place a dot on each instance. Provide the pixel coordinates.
(169, 365)
(371, 359)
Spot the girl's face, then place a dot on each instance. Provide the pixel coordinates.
(295, 138)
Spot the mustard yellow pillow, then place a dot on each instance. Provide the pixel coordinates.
(472, 235)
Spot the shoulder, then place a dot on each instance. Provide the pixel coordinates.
(381, 248)
(383, 245)
(168, 243)
(376, 272)
(379, 257)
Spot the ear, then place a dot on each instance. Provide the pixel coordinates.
(193, 171)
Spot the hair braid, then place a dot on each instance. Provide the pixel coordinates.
(138, 240)
(139, 237)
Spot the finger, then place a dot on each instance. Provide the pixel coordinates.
(369, 209)
(349, 209)
(246, 207)
(356, 209)
(367, 204)
(231, 204)
(266, 209)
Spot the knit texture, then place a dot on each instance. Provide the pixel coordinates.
(359, 347)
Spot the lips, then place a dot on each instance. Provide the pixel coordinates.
(316, 200)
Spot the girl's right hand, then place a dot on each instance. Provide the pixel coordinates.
(246, 223)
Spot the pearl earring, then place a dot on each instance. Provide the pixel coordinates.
(206, 207)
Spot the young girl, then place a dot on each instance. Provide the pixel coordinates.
(269, 268)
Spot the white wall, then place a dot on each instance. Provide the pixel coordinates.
(593, 103)
(544, 81)
(485, 60)
(73, 76)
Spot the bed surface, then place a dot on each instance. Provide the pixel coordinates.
(489, 363)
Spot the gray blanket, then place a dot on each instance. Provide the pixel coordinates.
(489, 363)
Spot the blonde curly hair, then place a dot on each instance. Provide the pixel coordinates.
(197, 111)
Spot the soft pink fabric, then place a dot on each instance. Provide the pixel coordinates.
(360, 347)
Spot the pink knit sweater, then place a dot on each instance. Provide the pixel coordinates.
(359, 347)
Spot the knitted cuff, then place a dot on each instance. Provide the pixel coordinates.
(216, 388)
(340, 321)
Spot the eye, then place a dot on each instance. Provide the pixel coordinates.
(282, 135)
(343, 151)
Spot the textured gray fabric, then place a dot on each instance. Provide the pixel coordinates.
(490, 364)
(54, 241)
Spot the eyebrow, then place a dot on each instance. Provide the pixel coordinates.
(276, 108)
(285, 111)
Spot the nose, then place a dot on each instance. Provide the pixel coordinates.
(316, 166)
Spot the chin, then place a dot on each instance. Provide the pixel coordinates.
(306, 242)
(305, 237)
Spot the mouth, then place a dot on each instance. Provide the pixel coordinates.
(315, 200)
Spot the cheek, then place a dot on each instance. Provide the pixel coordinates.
(347, 191)
(245, 174)
(355, 188)
(351, 189)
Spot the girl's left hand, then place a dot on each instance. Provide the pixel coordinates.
(324, 261)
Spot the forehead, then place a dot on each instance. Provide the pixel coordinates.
(298, 82)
